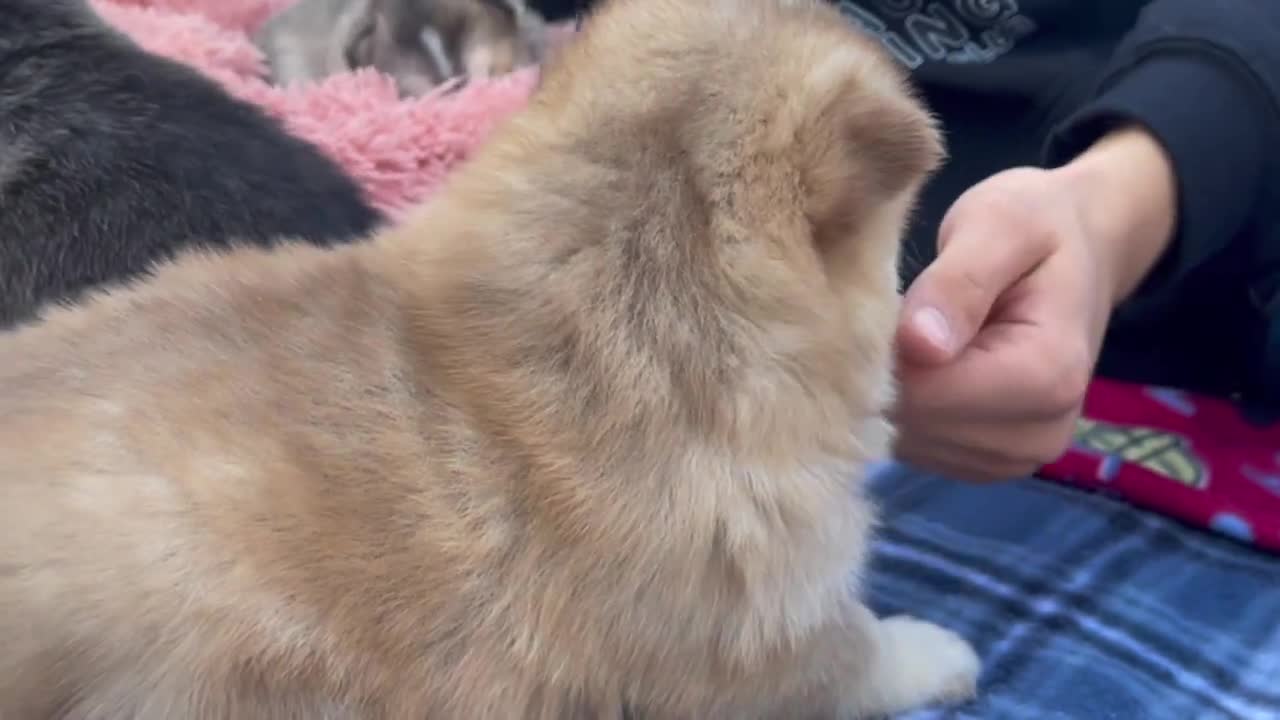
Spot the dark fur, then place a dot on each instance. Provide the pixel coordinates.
(112, 159)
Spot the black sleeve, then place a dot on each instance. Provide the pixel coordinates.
(1203, 76)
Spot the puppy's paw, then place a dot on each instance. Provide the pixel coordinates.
(917, 664)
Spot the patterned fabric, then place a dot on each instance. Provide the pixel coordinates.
(1081, 606)
(1194, 458)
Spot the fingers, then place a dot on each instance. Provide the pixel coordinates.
(963, 464)
(998, 336)
(1006, 405)
(1011, 374)
(1019, 451)
(984, 250)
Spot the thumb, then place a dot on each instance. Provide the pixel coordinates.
(949, 302)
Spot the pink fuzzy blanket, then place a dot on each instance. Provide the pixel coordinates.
(399, 149)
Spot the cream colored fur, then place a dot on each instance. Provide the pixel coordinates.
(586, 432)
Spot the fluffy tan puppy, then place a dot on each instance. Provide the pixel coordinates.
(584, 434)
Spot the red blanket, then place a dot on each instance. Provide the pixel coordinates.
(1192, 457)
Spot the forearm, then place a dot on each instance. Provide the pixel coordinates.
(1127, 194)
(1205, 84)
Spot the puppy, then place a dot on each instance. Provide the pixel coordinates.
(113, 159)
(585, 433)
(419, 43)
(313, 39)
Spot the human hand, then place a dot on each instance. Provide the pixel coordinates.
(1000, 334)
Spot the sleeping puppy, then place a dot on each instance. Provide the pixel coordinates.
(585, 432)
(112, 159)
(419, 43)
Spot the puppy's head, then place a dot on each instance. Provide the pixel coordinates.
(695, 226)
(422, 43)
(774, 87)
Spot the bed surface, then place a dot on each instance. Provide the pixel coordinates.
(1081, 606)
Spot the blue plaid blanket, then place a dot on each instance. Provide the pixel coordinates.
(1080, 606)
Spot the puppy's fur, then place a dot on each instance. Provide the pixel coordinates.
(585, 433)
(111, 159)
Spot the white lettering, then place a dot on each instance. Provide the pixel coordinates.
(955, 32)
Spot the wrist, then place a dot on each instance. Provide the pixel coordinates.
(1125, 192)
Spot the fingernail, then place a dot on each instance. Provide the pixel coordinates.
(933, 326)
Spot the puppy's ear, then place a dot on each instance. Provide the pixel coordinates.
(358, 52)
(864, 140)
(511, 9)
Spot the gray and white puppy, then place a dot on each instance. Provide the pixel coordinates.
(419, 43)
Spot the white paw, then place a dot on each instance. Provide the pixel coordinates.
(922, 664)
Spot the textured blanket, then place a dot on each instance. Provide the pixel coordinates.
(1200, 459)
(1082, 607)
